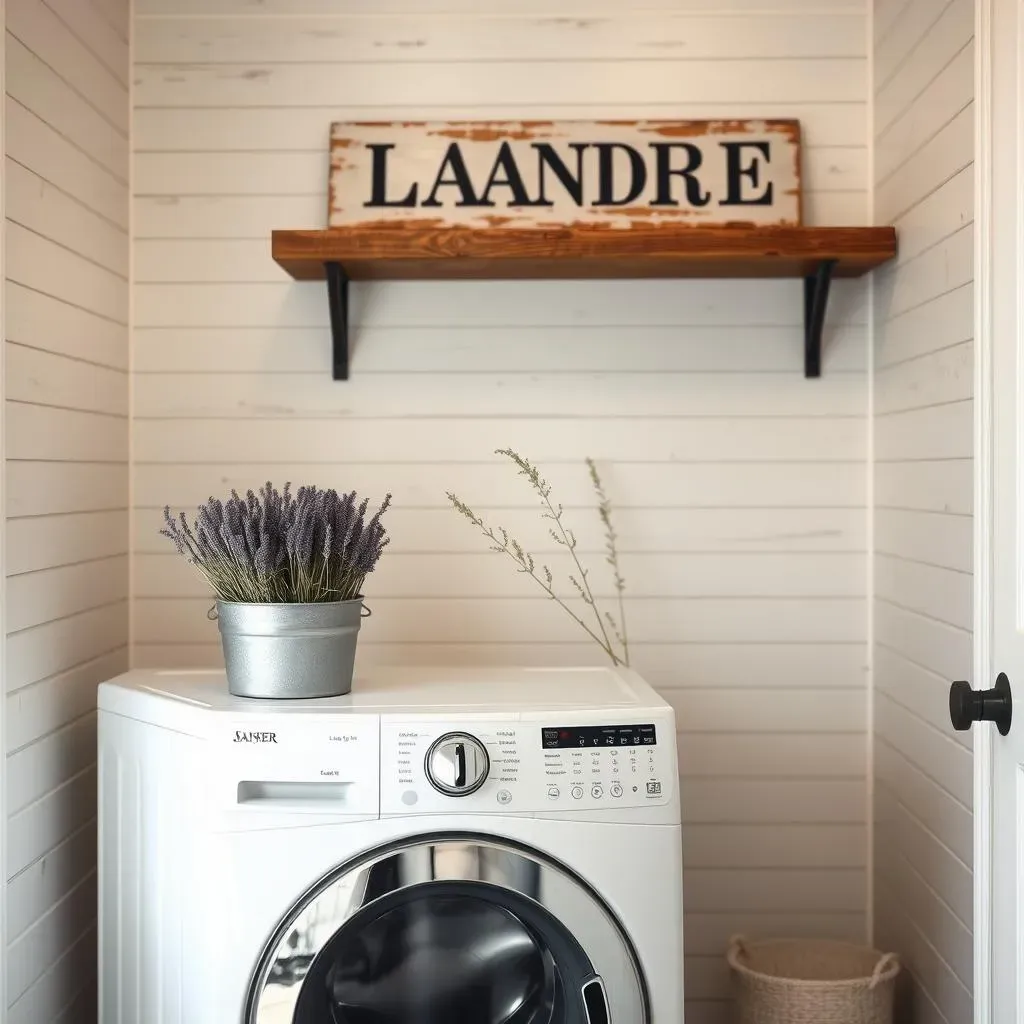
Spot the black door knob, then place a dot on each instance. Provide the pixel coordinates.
(967, 706)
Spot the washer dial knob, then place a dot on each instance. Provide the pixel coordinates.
(457, 764)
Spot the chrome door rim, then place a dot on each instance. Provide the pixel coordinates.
(451, 857)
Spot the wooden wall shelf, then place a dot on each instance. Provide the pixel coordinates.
(411, 252)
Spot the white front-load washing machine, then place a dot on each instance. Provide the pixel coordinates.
(441, 846)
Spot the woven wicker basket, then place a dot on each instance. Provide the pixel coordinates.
(811, 981)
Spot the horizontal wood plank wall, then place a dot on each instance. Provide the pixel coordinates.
(923, 93)
(740, 487)
(66, 403)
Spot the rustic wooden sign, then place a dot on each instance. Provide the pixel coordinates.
(600, 174)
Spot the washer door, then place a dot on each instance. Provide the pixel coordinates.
(445, 929)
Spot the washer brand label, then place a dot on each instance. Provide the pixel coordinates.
(254, 737)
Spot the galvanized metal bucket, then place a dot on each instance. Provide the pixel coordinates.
(289, 651)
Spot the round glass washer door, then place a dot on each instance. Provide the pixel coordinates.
(449, 929)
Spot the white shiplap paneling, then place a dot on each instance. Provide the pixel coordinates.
(66, 476)
(923, 125)
(740, 486)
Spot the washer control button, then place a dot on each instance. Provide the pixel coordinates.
(504, 796)
(553, 792)
(597, 791)
(457, 764)
(577, 792)
(615, 790)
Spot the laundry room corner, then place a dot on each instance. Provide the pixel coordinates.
(673, 446)
(738, 485)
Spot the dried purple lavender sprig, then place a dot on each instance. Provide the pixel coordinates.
(273, 547)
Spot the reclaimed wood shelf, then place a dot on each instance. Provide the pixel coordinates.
(412, 253)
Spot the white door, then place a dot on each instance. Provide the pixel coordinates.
(999, 513)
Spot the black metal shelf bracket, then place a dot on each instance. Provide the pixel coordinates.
(816, 288)
(337, 300)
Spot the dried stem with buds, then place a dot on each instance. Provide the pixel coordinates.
(604, 629)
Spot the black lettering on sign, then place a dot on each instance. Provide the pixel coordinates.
(695, 196)
(606, 174)
(622, 174)
(505, 164)
(735, 172)
(547, 156)
(379, 179)
(454, 160)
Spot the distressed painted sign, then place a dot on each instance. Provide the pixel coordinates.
(565, 173)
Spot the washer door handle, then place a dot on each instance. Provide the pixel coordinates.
(595, 1002)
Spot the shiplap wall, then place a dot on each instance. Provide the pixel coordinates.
(923, 89)
(66, 406)
(740, 487)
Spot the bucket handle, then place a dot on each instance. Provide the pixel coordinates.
(881, 967)
(738, 946)
(365, 612)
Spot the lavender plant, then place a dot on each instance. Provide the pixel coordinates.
(310, 547)
(605, 629)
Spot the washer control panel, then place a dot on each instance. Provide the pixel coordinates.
(522, 767)
(600, 765)
(472, 767)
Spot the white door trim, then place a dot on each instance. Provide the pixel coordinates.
(3, 533)
(983, 489)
